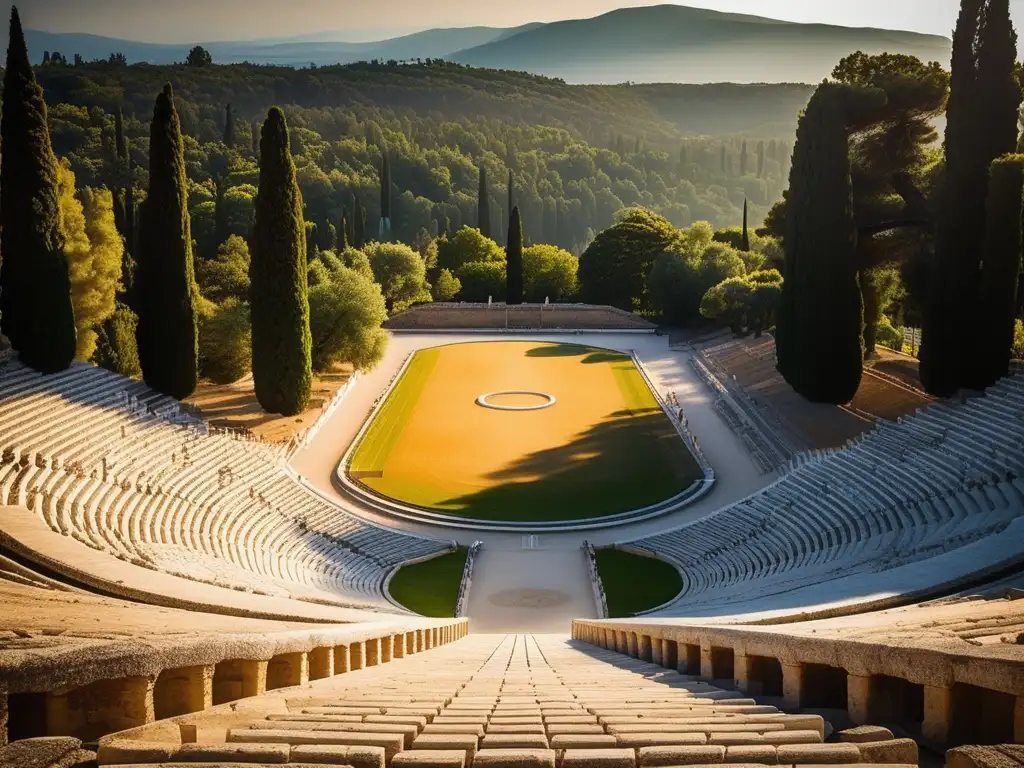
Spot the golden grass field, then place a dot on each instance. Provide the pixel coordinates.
(604, 447)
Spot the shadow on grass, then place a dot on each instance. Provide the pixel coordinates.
(590, 355)
(628, 461)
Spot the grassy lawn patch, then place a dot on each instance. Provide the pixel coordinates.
(602, 448)
(634, 583)
(431, 588)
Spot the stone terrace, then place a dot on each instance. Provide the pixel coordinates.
(442, 316)
(502, 700)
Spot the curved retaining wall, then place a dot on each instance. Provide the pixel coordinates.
(361, 495)
(449, 316)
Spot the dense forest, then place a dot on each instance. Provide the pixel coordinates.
(577, 155)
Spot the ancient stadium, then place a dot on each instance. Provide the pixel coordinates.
(444, 569)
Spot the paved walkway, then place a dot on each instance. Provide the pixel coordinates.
(506, 572)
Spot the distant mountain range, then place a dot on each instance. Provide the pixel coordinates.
(666, 43)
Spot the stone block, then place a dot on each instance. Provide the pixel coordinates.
(736, 738)
(891, 751)
(430, 758)
(39, 753)
(680, 755)
(599, 758)
(122, 752)
(355, 756)
(818, 754)
(557, 729)
(448, 741)
(513, 741)
(261, 754)
(981, 757)
(751, 753)
(499, 728)
(865, 733)
(583, 741)
(515, 758)
(391, 742)
(476, 729)
(641, 740)
(778, 738)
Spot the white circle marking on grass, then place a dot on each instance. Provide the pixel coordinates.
(484, 400)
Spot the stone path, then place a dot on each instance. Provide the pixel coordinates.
(502, 700)
(506, 573)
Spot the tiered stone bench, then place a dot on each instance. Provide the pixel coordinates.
(106, 461)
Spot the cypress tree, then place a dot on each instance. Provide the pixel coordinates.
(343, 239)
(120, 147)
(229, 127)
(511, 202)
(821, 314)
(1001, 264)
(220, 214)
(385, 198)
(745, 242)
(128, 262)
(358, 226)
(743, 159)
(278, 293)
(760, 159)
(165, 279)
(981, 125)
(723, 160)
(514, 251)
(35, 289)
(483, 206)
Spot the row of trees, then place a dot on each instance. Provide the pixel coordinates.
(867, 192)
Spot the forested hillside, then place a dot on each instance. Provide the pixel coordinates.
(577, 155)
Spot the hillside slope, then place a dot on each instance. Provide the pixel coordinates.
(671, 43)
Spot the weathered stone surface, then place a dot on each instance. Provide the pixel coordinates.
(513, 741)
(751, 753)
(357, 757)
(583, 741)
(515, 758)
(59, 751)
(599, 758)
(429, 758)
(122, 752)
(233, 753)
(818, 754)
(864, 733)
(890, 751)
(680, 755)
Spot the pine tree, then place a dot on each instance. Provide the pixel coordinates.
(483, 206)
(1001, 265)
(358, 226)
(981, 125)
(385, 198)
(514, 251)
(35, 289)
(745, 242)
(278, 293)
(165, 279)
(821, 315)
(229, 127)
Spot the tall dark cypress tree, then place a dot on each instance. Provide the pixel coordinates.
(483, 205)
(981, 125)
(743, 159)
(385, 198)
(1001, 265)
(821, 316)
(221, 230)
(165, 285)
(358, 226)
(120, 147)
(760, 159)
(745, 242)
(278, 293)
(514, 251)
(343, 232)
(37, 314)
(511, 189)
(229, 126)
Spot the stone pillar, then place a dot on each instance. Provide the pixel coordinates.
(938, 705)
(792, 684)
(669, 651)
(288, 669)
(740, 672)
(410, 643)
(387, 647)
(356, 655)
(100, 708)
(631, 648)
(707, 668)
(183, 690)
(858, 698)
(321, 663)
(373, 652)
(621, 643)
(643, 647)
(341, 659)
(238, 679)
(1018, 720)
(420, 645)
(656, 656)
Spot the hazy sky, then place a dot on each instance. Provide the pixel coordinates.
(207, 20)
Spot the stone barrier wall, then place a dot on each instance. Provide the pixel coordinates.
(500, 317)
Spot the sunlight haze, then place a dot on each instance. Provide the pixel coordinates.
(202, 20)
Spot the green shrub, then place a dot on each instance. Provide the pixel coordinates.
(225, 342)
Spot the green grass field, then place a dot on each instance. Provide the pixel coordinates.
(634, 583)
(431, 588)
(603, 448)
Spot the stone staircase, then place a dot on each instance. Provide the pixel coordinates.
(531, 701)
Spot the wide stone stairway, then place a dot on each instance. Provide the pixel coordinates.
(502, 700)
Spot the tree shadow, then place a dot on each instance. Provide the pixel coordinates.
(590, 355)
(630, 460)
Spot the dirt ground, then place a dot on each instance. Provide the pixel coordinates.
(235, 405)
(603, 447)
